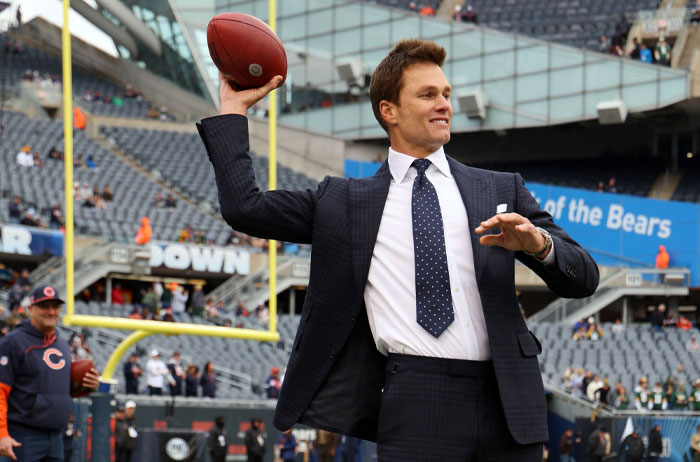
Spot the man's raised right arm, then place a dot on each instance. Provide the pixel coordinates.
(281, 215)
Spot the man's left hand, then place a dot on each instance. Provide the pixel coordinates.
(517, 234)
(92, 379)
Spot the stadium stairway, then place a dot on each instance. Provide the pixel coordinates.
(620, 283)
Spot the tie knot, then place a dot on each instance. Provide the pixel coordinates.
(421, 165)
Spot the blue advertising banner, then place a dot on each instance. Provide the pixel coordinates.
(24, 240)
(621, 230)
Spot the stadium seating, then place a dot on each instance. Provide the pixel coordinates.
(688, 190)
(32, 59)
(248, 357)
(133, 191)
(182, 161)
(570, 22)
(625, 357)
(635, 178)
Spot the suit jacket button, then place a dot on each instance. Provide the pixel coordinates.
(353, 316)
(332, 355)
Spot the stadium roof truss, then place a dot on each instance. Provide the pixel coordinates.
(334, 45)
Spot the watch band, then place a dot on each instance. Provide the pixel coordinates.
(547, 243)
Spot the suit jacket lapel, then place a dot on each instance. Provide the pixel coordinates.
(480, 205)
(367, 199)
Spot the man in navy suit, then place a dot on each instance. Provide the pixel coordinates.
(410, 333)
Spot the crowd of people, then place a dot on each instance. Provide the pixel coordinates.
(599, 445)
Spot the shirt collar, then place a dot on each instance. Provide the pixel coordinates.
(399, 163)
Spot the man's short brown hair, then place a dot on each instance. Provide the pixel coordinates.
(387, 79)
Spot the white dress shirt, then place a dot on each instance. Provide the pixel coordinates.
(390, 293)
(156, 370)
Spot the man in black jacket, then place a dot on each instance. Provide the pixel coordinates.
(125, 434)
(656, 444)
(254, 441)
(217, 441)
(633, 447)
(132, 372)
(597, 443)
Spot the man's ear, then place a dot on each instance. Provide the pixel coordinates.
(388, 112)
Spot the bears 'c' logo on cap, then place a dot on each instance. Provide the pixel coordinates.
(49, 292)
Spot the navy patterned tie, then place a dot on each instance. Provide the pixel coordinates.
(433, 298)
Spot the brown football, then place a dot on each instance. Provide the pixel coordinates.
(78, 369)
(245, 49)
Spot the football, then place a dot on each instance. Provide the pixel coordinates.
(246, 50)
(78, 370)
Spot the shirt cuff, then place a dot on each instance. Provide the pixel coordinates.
(549, 259)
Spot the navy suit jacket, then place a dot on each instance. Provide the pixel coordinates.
(335, 374)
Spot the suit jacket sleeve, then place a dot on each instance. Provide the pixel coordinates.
(281, 215)
(573, 274)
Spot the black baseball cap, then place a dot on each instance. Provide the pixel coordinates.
(43, 294)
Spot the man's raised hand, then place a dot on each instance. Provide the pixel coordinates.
(517, 233)
(235, 101)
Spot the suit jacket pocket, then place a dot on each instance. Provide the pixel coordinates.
(529, 344)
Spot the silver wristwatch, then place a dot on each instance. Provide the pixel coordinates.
(547, 243)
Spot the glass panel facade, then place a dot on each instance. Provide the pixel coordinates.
(528, 82)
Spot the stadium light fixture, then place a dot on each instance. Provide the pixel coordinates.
(473, 103)
(611, 112)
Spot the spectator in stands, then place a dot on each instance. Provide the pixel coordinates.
(117, 295)
(143, 235)
(636, 49)
(577, 383)
(693, 399)
(166, 315)
(566, 445)
(593, 386)
(662, 258)
(24, 157)
(30, 219)
(633, 447)
(695, 18)
(79, 348)
(601, 186)
(179, 301)
(470, 15)
(90, 162)
(598, 442)
(603, 394)
(603, 44)
(183, 236)
(679, 398)
(612, 185)
(655, 446)
(692, 346)
(254, 441)
(645, 55)
(273, 384)
(622, 401)
(618, 327)
(582, 323)
(242, 310)
(159, 202)
(683, 323)
(263, 314)
(657, 401)
(197, 301)
(107, 195)
(199, 237)
(217, 441)
(135, 313)
(132, 372)
(641, 394)
(210, 309)
(287, 444)
(156, 373)
(78, 119)
(594, 332)
(657, 318)
(457, 14)
(14, 210)
(427, 10)
(208, 380)
(56, 221)
(695, 440)
(166, 298)
(177, 372)
(191, 380)
(325, 445)
(662, 52)
(36, 158)
(170, 202)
